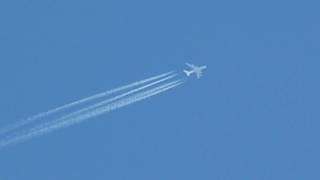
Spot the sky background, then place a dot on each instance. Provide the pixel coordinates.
(254, 115)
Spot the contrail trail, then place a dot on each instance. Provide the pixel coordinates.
(99, 111)
(84, 100)
(103, 103)
(117, 104)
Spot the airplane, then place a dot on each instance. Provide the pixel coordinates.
(195, 69)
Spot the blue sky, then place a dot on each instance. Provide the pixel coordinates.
(254, 115)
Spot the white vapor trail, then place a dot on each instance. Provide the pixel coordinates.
(93, 113)
(103, 103)
(79, 102)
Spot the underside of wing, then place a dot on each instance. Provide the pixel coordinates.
(199, 74)
(191, 65)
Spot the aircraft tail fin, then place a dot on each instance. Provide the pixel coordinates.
(187, 72)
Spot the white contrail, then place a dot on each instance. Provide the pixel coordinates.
(97, 105)
(99, 111)
(117, 104)
(84, 100)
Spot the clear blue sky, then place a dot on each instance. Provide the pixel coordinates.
(254, 115)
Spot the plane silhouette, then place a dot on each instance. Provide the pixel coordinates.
(197, 70)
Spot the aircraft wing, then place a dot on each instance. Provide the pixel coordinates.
(199, 74)
(191, 65)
